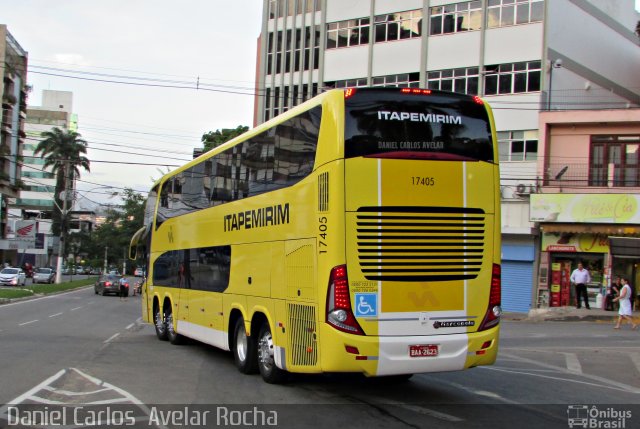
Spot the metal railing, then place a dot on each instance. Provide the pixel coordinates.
(586, 175)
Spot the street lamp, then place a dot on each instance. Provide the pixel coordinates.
(554, 65)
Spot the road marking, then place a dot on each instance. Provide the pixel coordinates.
(130, 326)
(28, 323)
(77, 308)
(76, 379)
(55, 315)
(635, 358)
(111, 338)
(45, 297)
(573, 364)
(604, 381)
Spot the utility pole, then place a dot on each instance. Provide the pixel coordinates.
(106, 250)
(63, 216)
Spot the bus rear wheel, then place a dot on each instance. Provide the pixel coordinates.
(172, 335)
(266, 361)
(244, 349)
(158, 321)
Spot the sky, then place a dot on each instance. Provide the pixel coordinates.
(139, 129)
(153, 46)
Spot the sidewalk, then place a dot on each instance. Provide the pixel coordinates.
(563, 314)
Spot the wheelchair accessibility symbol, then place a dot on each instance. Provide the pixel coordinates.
(366, 304)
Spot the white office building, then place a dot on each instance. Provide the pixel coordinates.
(522, 56)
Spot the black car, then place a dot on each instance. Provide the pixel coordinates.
(109, 283)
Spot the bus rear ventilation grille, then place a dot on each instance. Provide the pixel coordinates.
(420, 243)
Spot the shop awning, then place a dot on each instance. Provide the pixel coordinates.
(590, 228)
(625, 247)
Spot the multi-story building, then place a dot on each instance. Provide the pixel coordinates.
(14, 90)
(588, 204)
(522, 56)
(36, 201)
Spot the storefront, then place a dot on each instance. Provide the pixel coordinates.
(600, 231)
(518, 255)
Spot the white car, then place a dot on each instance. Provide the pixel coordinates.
(44, 275)
(139, 272)
(13, 277)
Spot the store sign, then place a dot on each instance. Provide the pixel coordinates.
(585, 208)
(570, 242)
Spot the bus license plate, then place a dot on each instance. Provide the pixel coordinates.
(423, 350)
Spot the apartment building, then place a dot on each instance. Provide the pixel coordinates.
(36, 200)
(522, 56)
(14, 91)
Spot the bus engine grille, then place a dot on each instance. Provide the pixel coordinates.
(302, 322)
(420, 243)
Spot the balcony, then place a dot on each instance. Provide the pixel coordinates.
(584, 176)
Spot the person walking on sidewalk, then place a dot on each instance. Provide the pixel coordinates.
(625, 305)
(580, 277)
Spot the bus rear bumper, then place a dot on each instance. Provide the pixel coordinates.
(379, 356)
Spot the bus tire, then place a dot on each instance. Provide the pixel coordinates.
(244, 349)
(173, 337)
(158, 321)
(266, 361)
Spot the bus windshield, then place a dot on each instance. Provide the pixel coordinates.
(438, 126)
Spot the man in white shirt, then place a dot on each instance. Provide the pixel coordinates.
(580, 277)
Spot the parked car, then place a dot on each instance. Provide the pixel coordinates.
(139, 272)
(109, 283)
(44, 275)
(12, 277)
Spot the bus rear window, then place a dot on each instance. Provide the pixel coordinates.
(386, 123)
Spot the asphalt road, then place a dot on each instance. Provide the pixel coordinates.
(81, 348)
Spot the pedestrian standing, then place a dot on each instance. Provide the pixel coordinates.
(612, 292)
(123, 288)
(624, 312)
(580, 277)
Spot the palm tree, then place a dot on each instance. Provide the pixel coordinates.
(63, 151)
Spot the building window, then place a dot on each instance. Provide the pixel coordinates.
(453, 18)
(404, 80)
(512, 78)
(502, 13)
(347, 83)
(38, 174)
(398, 26)
(614, 159)
(518, 145)
(462, 80)
(352, 32)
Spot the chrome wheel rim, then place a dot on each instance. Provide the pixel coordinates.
(169, 323)
(159, 322)
(265, 351)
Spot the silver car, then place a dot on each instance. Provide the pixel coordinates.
(44, 275)
(13, 277)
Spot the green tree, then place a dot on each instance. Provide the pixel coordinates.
(116, 232)
(63, 151)
(216, 138)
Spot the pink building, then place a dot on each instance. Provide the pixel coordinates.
(588, 204)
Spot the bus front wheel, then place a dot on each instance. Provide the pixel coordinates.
(266, 362)
(158, 321)
(244, 349)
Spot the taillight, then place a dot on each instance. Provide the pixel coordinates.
(478, 100)
(107, 283)
(339, 314)
(492, 317)
(349, 92)
(415, 91)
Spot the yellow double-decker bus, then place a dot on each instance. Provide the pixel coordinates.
(357, 232)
